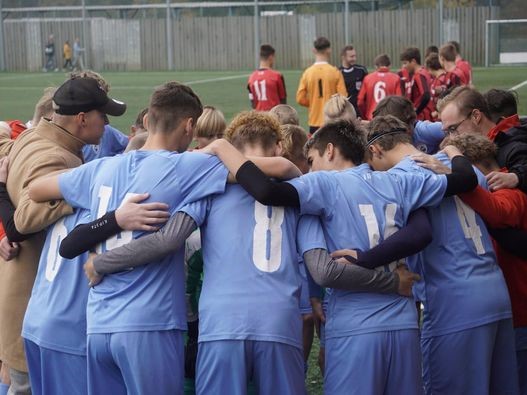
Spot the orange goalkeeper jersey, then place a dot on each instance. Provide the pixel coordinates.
(318, 83)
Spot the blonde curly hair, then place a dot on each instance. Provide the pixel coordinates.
(253, 127)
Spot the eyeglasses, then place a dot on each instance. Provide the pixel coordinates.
(453, 128)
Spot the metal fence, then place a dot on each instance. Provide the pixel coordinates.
(230, 42)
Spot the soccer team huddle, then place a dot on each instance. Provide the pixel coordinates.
(395, 225)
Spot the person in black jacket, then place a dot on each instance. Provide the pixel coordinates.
(465, 110)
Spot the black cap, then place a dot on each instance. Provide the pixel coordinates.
(83, 95)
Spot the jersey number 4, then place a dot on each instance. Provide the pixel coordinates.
(471, 230)
(267, 237)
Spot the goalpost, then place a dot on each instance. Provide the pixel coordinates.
(505, 41)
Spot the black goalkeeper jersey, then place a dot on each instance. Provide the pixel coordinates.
(353, 79)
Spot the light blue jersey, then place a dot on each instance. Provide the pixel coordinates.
(463, 286)
(359, 208)
(151, 297)
(56, 314)
(113, 142)
(427, 136)
(251, 284)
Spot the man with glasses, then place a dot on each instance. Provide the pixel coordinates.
(465, 110)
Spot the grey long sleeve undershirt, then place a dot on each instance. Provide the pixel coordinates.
(324, 270)
(148, 248)
(332, 274)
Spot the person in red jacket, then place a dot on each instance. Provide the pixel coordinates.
(505, 208)
(377, 85)
(266, 86)
(420, 94)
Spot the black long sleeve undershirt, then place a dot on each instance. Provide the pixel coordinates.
(86, 236)
(7, 212)
(272, 193)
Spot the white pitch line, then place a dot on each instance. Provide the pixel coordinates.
(518, 86)
(146, 87)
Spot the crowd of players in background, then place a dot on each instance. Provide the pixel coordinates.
(324, 251)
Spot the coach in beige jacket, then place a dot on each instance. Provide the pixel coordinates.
(80, 107)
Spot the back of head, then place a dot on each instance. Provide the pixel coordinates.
(477, 148)
(293, 140)
(347, 137)
(466, 99)
(339, 108)
(501, 104)
(382, 60)
(388, 131)
(210, 124)
(266, 51)
(254, 129)
(410, 54)
(285, 114)
(448, 51)
(398, 106)
(432, 62)
(430, 50)
(456, 46)
(321, 44)
(91, 74)
(44, 106)
(170, 104)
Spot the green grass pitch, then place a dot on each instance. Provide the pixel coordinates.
(226, 90)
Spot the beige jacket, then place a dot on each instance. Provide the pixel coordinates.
(35, 153)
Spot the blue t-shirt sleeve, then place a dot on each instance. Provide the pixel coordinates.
(309, 234)
(117, 142)
(76, 185)
(201, 175)
(197, 210)
(317, 192)
(420, 187)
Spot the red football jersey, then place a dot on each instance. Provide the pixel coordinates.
(421, 81)
(375, 87)
(406, 82)
(266, 89)
(466, 69)
(464, 80)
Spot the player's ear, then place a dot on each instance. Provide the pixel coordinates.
(330, 152)
(189, 126)
(279, 149)
(375, 150)
(476, 116)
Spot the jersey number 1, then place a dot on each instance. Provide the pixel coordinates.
(119, 239)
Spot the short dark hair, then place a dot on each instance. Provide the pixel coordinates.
(448, 51)
(432, 62)
(346, 49)
(431, 49)
(466, 99)
(170, 104)
(456, 46)
(388, 124)
(382, 60)
(348, 137)
(411, 53)
(266, 50)
(398, 106)
(501, 103)
(321, 43)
